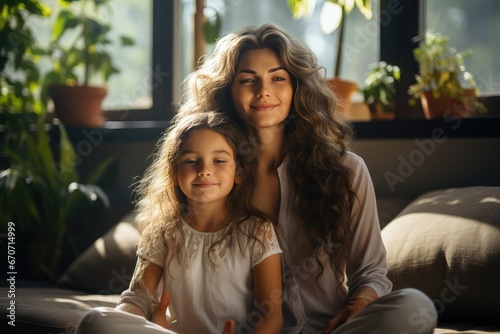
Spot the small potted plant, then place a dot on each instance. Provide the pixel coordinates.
(443, 85)
(81, 61)
(379, 91)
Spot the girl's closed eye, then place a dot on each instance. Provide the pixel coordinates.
(190, 162)
(220, 161)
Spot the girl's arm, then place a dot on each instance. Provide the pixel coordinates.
(268, 295)
(146, 283)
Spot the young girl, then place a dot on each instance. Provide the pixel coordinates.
(202, 241)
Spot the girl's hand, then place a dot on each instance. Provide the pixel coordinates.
(159, 315)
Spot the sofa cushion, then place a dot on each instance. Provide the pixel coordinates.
(47, 310)
(106, 267)
(447, 244)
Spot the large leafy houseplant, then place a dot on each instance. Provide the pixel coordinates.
(443, 85)
(80, 57)
(43, 196)
(40, 191)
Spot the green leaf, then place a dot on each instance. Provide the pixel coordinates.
(212, 27)
(66, 20)
(44, 164)
(126, 41)
(68, 170)
(99, 171)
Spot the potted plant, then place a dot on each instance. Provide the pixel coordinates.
(378, 91)
(443, 86)
(332, 18)
(76, 101)
(19, 75)
(41, 195)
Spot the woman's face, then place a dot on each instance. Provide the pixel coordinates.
(262, 89)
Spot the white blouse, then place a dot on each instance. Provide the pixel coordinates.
(207, 291)
(308, 306)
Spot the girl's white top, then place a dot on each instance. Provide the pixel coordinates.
(206, 292)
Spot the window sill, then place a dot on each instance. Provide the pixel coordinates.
(136, 131)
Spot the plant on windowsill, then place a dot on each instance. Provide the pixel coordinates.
(332, 18)
(40, 191)
(443, 86)
(378, 91)
(76, 101)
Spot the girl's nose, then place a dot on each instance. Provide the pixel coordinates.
(204, 170)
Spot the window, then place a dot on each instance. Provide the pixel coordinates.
(471, 25)
(142, 89)
(387, 36)
(152, 71)
(361, 42)
(401, 20)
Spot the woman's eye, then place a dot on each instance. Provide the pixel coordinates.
(279, 79)
(244, 81)
(190, 162)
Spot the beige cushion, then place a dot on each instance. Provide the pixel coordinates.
(447, 244)
(48, 310)
(106, 267)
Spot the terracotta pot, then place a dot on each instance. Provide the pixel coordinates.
(379, 111)
(78, 105)
(445, 107)
(344, 90)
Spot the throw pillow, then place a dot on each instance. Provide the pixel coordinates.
(446, 243)
(106, 267)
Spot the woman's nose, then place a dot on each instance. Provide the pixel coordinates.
(263, 91)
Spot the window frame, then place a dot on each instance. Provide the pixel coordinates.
(163, 28)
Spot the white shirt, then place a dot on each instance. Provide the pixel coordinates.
(313, 306)
(205, 293)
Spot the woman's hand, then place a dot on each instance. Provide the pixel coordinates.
(361, 299)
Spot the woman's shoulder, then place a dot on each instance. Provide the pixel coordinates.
(353, 161)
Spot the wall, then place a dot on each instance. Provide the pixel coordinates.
(409, 167)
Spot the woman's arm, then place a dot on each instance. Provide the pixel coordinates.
(268, 295)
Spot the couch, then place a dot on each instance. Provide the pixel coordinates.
(445, 242)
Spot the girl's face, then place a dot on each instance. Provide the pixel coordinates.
(206, 168)
(262, 89)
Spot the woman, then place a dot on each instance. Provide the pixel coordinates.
(320, 194)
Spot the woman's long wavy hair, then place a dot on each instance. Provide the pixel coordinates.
(160, 203)
(317, 137)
